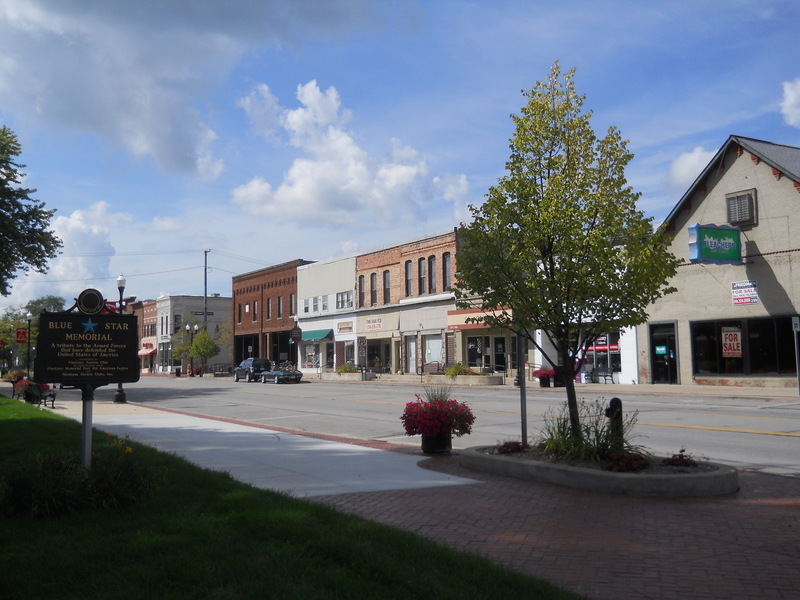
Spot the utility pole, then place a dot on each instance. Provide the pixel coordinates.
(205, 289)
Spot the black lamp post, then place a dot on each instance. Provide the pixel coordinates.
(29, 316)
(191, 333)
(119, 396)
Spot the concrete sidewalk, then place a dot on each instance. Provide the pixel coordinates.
(268, 458)
(742, 546)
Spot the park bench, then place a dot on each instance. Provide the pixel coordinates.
(605, 374)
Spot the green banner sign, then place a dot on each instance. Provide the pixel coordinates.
(716, 244)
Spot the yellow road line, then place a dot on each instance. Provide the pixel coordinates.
(726, 429)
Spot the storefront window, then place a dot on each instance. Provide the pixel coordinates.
(309, 355)
(477, 347)
(745, 347)
(604, 353)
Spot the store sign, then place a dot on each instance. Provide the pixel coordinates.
(744, 293)
(344, 327)
(731, 342)
(374, 324)
(715, 244)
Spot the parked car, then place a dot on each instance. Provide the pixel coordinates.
(250, 369)
(282, 373)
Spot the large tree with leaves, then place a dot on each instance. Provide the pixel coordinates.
(559, 245)
(27, 241)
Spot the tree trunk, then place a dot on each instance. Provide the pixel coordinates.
(568, 373)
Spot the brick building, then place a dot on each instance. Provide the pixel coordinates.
(264, 312)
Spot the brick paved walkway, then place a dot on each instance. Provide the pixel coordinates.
(743, 546)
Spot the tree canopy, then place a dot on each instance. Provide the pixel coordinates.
(559, 245)
(26, 239)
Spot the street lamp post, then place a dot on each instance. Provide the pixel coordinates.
(29, 316)
(119, 396)
(191, 333)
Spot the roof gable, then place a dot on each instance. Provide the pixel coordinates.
(784, 161)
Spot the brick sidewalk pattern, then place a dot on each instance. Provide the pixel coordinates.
(742, 546)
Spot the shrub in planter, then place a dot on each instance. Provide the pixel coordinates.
(454, 371)
(596, 442)
(346, 368)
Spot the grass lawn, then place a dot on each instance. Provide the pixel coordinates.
(201, 534)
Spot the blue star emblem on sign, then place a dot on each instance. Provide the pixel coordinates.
(88, 326)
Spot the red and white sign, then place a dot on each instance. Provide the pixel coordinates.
(744, 292)
(731, 342)
(22, 335)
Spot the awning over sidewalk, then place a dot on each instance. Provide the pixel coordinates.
(317, 335)
(147, 352)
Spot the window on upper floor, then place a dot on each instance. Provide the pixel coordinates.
(742, 207)
(315, 304)
(387, 290)
(447, 273)
(361, 291)
(255, 310)
(269, 308)
(431, 274)
(409, 278)
(344, 300)
(280, 307)
(292, 305)
(422, 278)
(373, 289)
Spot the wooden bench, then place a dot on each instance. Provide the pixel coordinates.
(605, 374)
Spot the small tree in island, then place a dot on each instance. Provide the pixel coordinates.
(559, 245)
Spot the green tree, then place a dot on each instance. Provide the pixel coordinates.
(204, 347)
(45, 304)
(24, 222)
(559, 244)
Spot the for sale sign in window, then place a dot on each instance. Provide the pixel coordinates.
(731, 342)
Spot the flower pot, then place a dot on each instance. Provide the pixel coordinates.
(544, 382)
(437, 444)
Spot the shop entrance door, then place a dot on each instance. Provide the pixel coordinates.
(663, 354)
(500, 354)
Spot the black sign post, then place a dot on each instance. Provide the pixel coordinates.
(87, 349)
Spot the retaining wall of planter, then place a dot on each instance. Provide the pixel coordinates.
(719, 481)
(463, 380)
(345, 376)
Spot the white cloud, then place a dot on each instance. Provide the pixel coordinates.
(455, 189)
(262, 110)
(337, 181)
(132, 73)
(790, 105)
(86, 255)
(687, 166)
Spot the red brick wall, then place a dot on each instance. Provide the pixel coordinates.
(394, 259)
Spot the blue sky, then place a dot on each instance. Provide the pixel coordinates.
(267, 130)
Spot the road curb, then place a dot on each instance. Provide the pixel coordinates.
(720, 481)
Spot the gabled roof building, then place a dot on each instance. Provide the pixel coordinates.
(734, 317)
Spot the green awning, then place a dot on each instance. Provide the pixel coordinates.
(317, 335)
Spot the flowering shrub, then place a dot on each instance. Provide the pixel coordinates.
(30, 390)
(437, 417)
(544, 372)
(15, 375)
